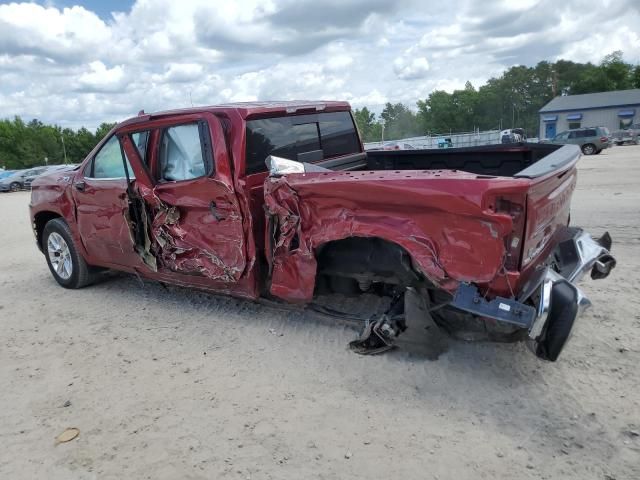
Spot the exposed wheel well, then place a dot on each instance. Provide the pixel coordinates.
(366, 260)
(40, 220)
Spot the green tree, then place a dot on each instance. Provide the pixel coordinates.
(514, 98)
(24, 145)
(635, 77)
(102, 130)
(368, 127)
(399, 122)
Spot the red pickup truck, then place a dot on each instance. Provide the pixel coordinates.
(280, 200)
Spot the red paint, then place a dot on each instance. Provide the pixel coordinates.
(450, 222)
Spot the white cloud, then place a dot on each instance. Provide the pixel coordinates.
(338, 62)
(99, 78)
(411, 68)
(73, 67)
(181, 72)
(66, 35)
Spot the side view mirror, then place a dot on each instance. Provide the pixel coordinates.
(282, 166)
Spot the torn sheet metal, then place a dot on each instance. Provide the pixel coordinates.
(442, 223)
(139, 231)
(194, 240)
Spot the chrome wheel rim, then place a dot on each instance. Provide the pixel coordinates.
(59, 256)
(588, 150)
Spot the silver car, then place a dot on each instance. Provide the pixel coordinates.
(12, 182)
(591, 140)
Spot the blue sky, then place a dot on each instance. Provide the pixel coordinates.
(101, 8)
(75, 64)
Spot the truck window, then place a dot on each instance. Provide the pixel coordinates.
(181, 153)
(325, 135)
(108, 162)
(140, 140)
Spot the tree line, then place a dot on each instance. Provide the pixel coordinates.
(511, 100)
(25, 145)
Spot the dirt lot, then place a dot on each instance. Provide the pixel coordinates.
(168, 384)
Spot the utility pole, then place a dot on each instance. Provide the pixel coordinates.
(64, 150)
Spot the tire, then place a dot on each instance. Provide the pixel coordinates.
(562, 316)
(588, 149)
(66, 264)
(598, 152)
(15, 187)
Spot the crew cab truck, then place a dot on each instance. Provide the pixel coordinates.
(280, 200)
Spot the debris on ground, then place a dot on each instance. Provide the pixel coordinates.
(68, 435)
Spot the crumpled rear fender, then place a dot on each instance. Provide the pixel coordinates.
(449, 235)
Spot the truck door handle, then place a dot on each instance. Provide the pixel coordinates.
(80, 186)
(213, 208)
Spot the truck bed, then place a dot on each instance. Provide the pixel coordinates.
(492, 160)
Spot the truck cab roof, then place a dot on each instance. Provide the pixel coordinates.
(249, 109)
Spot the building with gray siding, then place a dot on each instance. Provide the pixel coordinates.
(614, 110)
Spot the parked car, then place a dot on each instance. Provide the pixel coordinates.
(445, 142)
(591, 140)
(13, 181)
(513, 135)
(18, 179)
(627, 136)
(397, 146)
(279, 200)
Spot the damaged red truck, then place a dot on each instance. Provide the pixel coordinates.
(279, 200)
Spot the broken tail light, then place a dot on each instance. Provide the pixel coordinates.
(515, 206)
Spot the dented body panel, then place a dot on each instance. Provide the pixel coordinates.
(442, 219)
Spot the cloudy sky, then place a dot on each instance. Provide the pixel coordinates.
(84, 62)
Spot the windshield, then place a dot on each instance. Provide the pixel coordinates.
(304, 138)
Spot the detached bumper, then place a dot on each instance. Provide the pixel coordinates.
(560, 301)
(549, 304)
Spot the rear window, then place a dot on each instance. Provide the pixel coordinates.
(306, 138)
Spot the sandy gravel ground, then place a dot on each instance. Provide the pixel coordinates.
(176, 384)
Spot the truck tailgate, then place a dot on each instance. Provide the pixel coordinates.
(548, 200)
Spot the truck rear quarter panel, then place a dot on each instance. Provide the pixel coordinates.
(442, 219)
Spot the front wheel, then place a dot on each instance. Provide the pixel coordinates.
(14, 187)
(65, 262)
(588, 149)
